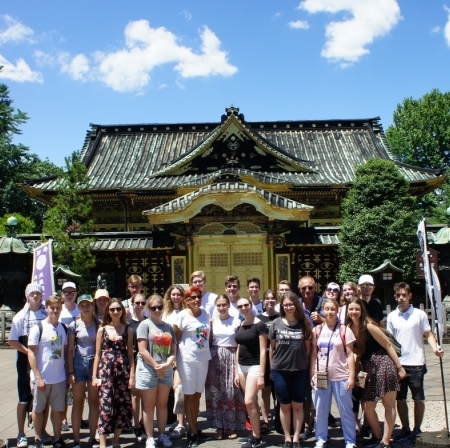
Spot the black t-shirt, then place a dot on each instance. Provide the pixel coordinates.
(375, 310)
(247, 337)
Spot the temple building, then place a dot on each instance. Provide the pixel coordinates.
(250, 198)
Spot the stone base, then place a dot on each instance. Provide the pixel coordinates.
(436, 439)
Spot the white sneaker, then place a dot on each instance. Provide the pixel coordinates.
(22, 441)
(164, 441)
(350, 445)
(150, 443)
(321, 444)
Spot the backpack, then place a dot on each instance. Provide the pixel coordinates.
(41, 329)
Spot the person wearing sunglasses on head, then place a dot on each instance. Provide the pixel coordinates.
(113, 372)
(192, 330)
(138, 302)
(154, 369)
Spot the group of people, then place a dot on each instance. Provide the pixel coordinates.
(129, 355)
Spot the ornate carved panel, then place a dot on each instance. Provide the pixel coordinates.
(151, 269)
(179, 275)
(283, 271)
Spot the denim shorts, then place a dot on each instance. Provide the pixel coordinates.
(414, 380)
(146, 377)
(290, 386)
(82, 368)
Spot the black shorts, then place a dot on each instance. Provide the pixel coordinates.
(23, 380)
(413, 380)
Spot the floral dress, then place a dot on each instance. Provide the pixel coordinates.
(114, 393)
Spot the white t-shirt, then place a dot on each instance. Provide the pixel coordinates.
(337, 353)
(259, 307)
(194, 341)
(209, 302)
(233, 311)
(224, 331)
(50, 353)
(408, 328)
(171, 318)
(23, 321)
(67, 317)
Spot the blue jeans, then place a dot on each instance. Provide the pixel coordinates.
(343, 397)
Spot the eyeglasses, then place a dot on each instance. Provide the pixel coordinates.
(158, 307)
(70, 293)
(335, 290)
(134, 286)
(288, 305)
(244, 305)
(367, 285)
(195, 297)
(309, 288)
(197, 282)
(139, 303)
(115, 310)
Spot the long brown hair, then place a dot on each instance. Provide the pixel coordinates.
(364, 320)
(299, 313)
(168, 304)
(107, 317)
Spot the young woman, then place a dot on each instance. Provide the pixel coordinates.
(173, 304)
(225, 408)
(192, 328)
(383, 369)
(82, 334)
(101, 300)
(349, 292)
(154, 370)
(137, 303)
(114, 372)
(332, 353)
(251, 365)
(290, 346)
(269, 315)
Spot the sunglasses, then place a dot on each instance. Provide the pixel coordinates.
(195, 297)
(158, 307)
(115, 310)
(333, 290)
(245, 305)
(309, 288)
(70, 293)
(367, 285)
(139, 303)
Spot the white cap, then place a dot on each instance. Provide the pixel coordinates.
(366, 279)
(68, 285)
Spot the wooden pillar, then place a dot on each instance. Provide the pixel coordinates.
(190, 255)
(271, 260)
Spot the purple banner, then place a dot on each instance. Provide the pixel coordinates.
(43, 268)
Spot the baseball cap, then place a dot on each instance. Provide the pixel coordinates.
(101, 293)
(85, 298)
(366, 279)
(68, 285)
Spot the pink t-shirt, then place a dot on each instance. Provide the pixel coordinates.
(337, 362)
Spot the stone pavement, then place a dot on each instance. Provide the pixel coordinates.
(434, 415)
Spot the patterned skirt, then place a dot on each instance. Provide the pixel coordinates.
(382, 376)
(225, 408)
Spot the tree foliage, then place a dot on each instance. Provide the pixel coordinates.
(70, 219)
(24, 224)
(17, 164)
(379, 222)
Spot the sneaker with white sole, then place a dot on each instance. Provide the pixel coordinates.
(22, 441)
(178, 432)
(150, 443)
(92, 443)
(164, 441)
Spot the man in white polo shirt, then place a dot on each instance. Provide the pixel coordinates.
(408, 325)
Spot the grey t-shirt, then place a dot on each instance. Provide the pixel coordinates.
(290, 352)
(160, 339)
(85, 337)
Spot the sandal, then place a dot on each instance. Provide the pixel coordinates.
(219, 434)
(264, 429)
(231, 435)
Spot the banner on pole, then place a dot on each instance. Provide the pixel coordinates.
(432, 283)
(43, 268)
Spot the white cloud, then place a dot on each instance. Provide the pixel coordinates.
(447, 27)
(436, 29)
(20, 71)
(14, 31)
(347, 40)
(299, 25)
(77, 67)
(187, 14)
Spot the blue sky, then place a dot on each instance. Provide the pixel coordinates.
(69, 64)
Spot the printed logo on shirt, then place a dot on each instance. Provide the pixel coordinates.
(162, 343)
(202, 335)
(56, 346)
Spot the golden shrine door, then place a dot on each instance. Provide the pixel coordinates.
(221, 255)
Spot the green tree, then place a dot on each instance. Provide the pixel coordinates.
(379, 222)
(24, 224)
(68, 221)
(17, 164)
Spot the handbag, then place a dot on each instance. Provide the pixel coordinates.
(395, 344)
(322, 380)
(322, 376)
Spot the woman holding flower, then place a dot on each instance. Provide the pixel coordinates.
(192, 328)
(154, 371)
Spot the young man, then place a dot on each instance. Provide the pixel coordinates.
(374, 307)
(408, 325)
(282, 288)
(46, 355)
(70, 309)
(30, 315)
(198, 278)
(253, 289)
